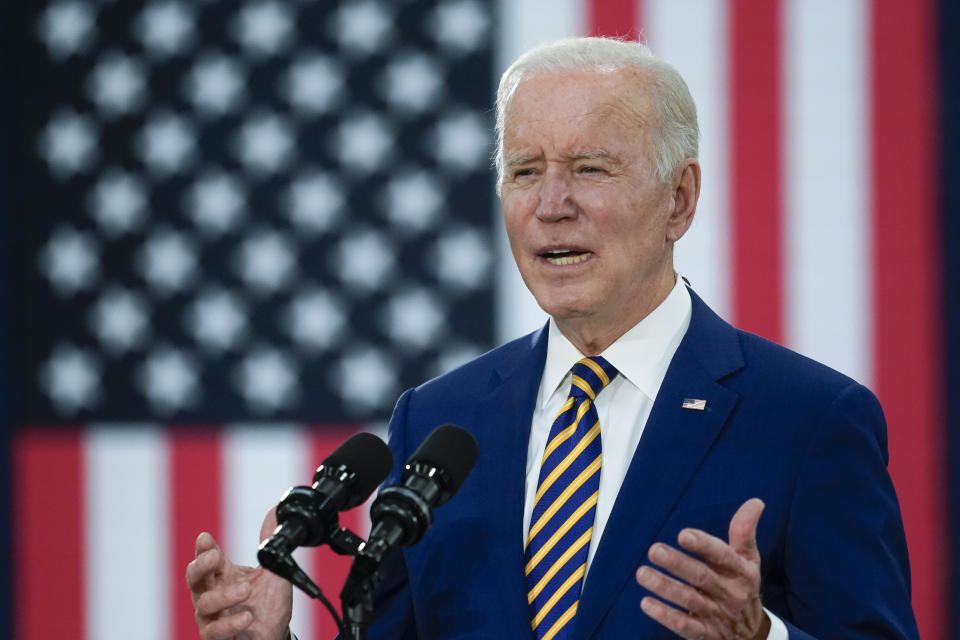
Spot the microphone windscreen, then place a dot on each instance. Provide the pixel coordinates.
(368, 457)
(450, 448)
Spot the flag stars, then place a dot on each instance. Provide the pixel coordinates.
(267, 378)
(68, 143)
(363, 26)
(216, 202)
(265, 144)
(117, 84)
(460, 25)
(363, 260)
(166, 144)
(70, 261)
(413, 200)
(412, 82)
(118, 202)
(71, 378)
(414, 319)
(366, 379)
(67, 28)
(314, 202)
(264, 28)
(462, 141)
(363, 142)
(168, 261)
(215, 85)
(165, 28)
(316, 319)
(461, 258)
(168, 379)
(266, 261)
(217, 320)
(312, 84)
(119, 319)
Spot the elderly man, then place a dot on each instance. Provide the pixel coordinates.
(646, 470)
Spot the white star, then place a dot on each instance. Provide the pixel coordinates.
(165, 28)
(460, 25)
(169, 378)
(71, 377)
(266, 261)
(168, 261)
(362, 27)
(119, 319)
(263, 28)
(453, 357)
(315, 319)
(68, 143)
(216, 202)
(364, 260)
(217, 319)
(116, 84)
(413, 200)
(215, 85)
(118, 202)
(67, 28)
(313, 84)
(462, 141)
(166, 144)
(70, 261)
(363, 142)
(412, 82)
(314, 201)
(365, 379)
(265, 144)
(414, 319)
(268, 380)
(461, 258)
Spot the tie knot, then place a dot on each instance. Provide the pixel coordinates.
(590, 376)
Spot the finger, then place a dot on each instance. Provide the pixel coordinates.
(205, 541)
(227, 627)
(269, 524)
(682, 624)
(203, 567)
(675, 592)
(689, 569)
(714, 551)
(743, 528)
(214, 602)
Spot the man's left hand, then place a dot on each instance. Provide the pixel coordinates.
(719, 596)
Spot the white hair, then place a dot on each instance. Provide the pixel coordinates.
(674, 136)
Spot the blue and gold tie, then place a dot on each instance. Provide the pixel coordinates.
(562, 520)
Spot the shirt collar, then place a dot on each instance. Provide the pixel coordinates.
(639, 354)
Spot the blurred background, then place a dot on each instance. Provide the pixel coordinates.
(231, 233)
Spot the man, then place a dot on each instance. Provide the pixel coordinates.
(731, 468)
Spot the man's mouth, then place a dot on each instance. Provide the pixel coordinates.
(562, 257)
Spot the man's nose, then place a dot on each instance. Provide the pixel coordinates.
(556, 197)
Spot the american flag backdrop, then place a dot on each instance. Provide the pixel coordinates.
(234, 232)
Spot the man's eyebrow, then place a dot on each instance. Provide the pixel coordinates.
(598, 154)
(516, 161)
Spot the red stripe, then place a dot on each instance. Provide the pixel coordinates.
(755, 167)
(328, 569)
(613, 18)
(195, 506)
(908, 333)
(48, 535)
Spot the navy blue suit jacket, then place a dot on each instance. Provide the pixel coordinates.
(807, 440)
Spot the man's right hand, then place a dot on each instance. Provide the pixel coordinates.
(233, 602)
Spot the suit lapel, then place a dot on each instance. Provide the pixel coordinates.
(508, 410)
(674, 442)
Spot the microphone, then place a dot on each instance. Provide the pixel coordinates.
(401, 514)
(307, 516)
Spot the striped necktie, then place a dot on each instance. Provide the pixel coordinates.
(562, 520)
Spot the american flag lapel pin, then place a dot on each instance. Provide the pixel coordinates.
(697, 404)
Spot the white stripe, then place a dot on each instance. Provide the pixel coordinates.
(692, 36)
(827, 227)
(260, 463)
(127, 555)
(523, 25)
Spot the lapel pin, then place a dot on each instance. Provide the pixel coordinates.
(696, 404)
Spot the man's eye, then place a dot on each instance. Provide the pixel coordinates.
(590, 169)
(519, 173)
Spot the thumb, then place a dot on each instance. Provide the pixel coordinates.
(743, 528)
(269, 524)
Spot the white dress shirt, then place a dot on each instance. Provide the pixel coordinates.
(641, 356)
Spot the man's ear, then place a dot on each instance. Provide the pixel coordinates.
(686, 192)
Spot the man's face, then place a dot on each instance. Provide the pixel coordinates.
(589, 223)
